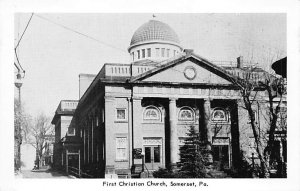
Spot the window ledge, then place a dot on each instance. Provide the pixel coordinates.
(187, 123)
(152, 122)
(125, 121)
(119, 160)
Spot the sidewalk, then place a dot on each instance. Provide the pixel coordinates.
(43, 173)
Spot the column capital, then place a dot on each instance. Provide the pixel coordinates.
(207, 102)
(173, 99)
(134, 98)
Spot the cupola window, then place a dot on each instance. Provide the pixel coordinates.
(168, 52)
(143, 53)
(149, 52)
(139, 56)
(162, 52)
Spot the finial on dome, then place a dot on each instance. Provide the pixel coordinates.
(153, 16)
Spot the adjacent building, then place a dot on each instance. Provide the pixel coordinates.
(61, 120)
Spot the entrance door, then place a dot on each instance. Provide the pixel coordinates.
(152, 156)
(221, 156)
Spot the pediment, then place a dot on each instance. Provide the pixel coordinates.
(189, 70)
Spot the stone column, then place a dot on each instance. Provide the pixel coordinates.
(207, 128)
(137, 134)
(174, 149)
(235, 136)
(109, 119)
(130, 138)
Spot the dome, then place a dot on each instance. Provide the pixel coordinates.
(154, 31)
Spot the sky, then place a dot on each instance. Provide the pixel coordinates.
(53, 55)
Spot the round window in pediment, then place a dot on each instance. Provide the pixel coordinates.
(190, 72)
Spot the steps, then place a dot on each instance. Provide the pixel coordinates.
(138, 172)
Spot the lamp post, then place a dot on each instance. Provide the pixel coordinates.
(143, 161)
(18, 138)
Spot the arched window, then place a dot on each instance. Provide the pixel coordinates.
(219, 115)
(186, 114)
(151, 113)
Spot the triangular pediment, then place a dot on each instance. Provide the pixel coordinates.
(188, 70)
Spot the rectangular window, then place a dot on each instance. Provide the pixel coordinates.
(157, 52)
(121, 114)
(168, 52)
(143, 53)
(133, 56)
(149, 52)
(174, 52)
(162, 52)
(138, 54)
(121, 148)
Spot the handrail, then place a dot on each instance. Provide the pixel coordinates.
(146, 169)
(79, 174)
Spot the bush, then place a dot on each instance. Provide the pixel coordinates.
(163, 173)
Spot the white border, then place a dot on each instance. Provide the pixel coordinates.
(8, 8)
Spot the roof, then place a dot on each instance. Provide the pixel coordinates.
(177, 60)
(154, 30)
(65, 107)
(227, 73)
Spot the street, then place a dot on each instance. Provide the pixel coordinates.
(43, 174)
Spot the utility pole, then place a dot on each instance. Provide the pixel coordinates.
(18, 136)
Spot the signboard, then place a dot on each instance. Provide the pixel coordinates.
(137, 153)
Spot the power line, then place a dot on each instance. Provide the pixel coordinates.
(24, 31)
(17, 57)
(80, 33)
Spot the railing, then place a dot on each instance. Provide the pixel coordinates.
(117, 70)
(68, 105)
(147, 169)
(78, 173)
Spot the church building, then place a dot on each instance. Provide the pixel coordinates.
(146, 108)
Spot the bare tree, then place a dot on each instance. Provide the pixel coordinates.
(266, 88)
(38, 132)
(22, 122)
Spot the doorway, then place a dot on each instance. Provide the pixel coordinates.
(221, 156)
(153, 156)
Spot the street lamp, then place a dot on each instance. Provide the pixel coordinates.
(18, 84)
(18, 138)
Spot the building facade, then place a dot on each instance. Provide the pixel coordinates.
(62, 120)
(148, 106)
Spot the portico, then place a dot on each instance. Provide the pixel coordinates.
(167, 126)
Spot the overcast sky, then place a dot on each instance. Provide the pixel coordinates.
(53, 56)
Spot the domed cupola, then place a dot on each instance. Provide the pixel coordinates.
(155, 41)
